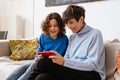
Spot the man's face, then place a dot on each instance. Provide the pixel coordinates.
(74, 25)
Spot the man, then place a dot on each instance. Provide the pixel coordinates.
(85, 55)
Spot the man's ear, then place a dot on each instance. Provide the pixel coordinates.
(81, 19)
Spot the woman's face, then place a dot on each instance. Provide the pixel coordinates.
(53, 28)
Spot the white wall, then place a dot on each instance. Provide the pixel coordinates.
(103, 15)
(14, 13)
(24, 8)
(2, 15)
(2, 7)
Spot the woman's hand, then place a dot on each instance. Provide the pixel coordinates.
(39, 57)
(57, 58)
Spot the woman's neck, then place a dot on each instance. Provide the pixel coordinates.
(53, 37)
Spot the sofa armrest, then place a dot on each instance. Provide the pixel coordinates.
(110, 52)
(4, 48)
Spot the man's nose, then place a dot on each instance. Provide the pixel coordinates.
(69, 26)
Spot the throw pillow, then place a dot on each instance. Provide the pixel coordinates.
(118, 60)
(23, 49)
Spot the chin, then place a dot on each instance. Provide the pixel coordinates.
(74, 31)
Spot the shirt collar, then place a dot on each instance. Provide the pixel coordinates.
(84, 30)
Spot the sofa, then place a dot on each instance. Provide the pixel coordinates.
(7, 65)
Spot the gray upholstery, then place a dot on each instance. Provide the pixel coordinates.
(3, 34)
(111, 49)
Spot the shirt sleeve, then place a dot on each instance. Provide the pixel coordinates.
(40, 48)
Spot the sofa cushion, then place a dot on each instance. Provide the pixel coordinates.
(4, 48)
(117, 74)
(110, 52)
(23, 49)
(7, 66)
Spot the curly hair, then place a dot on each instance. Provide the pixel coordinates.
(46, 22)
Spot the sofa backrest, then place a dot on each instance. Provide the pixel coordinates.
(4, 48)
(110, 52)
(111, 49)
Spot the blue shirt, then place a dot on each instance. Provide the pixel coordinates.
(86, 51)
(46, 43)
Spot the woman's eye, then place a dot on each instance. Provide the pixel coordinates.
(56, 25)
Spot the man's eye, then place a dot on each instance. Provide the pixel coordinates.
(70, 22)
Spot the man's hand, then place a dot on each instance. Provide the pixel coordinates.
(57, 58)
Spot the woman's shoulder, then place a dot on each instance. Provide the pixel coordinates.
(43, 36)
(65, 37)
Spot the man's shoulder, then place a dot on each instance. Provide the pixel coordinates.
(95, 30)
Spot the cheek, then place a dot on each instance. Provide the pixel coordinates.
(69, 26)
(48, 29)
(58, 29)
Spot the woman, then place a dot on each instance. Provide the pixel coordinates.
(52, 38)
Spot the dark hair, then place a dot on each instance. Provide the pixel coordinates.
(46, 22)
(73, 11)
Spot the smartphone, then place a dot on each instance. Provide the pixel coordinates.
(46, 54)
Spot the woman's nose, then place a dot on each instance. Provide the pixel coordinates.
(52, 27)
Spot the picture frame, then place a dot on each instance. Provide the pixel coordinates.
(49, 3)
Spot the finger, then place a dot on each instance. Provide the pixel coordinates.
(56, 53)
(40, 56)
(52, 57)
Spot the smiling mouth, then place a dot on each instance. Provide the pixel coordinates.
(73, 29)
(52, 31)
